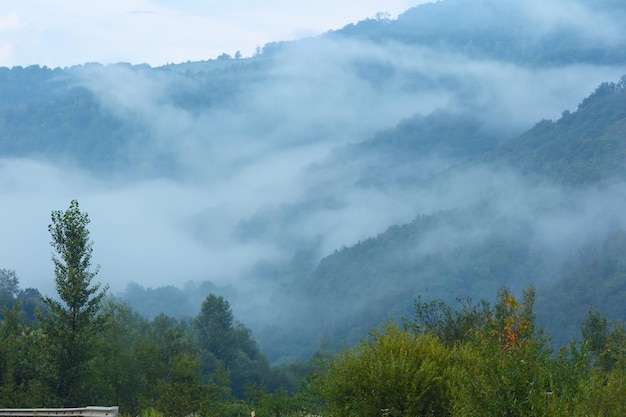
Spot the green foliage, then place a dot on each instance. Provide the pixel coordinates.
(9, 287)
(501, 364)
(215, 327)
(448, 324)
(583, 147)
(70, 239)
(602, 396)
(228, 346)
(11, 295)
(487, 29)
(391, 372)
(183, 394)
(118, 377)
(593, 278)
(473, 360)
(490, 383)
(606, 342)
(151, 412)
(271, 404)
(21, 369)
(72, 324)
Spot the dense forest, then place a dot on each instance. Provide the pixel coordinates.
(470, 359)
(411, 216)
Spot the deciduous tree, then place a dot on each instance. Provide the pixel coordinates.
(393, 373)
(215, 325)
(9, 287)
(73, 321)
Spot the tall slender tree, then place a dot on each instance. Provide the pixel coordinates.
(73, 321)
(215, 327)
(9, 287)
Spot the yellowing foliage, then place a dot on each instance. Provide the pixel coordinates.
(513, 322)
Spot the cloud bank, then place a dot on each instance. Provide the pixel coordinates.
(251, 157)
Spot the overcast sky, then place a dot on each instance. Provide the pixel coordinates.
(69, 32)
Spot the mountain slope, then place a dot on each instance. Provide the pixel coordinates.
(586, 146)
(526, 32)
(518, 227)
(325, 183)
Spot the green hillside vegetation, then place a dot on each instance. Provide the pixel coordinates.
(394, 157)
(586, 146)
(355, 288)
(84, 346)
(45, 113)
(474, 359)
(49, 113)
(379, 277)
(593, 279)
(385, 326)
(582, 148)
(493, 30)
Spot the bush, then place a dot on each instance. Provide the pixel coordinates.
(393, 372)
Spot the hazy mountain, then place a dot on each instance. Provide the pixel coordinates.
(586, 146)
(325, 183)
(542, 209)
(528, 32)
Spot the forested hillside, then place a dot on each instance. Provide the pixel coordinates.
(583, 147)
(513, 223)
(495, 227)
(517, 32)
(424, 212)
(444, 360)
(325, 184)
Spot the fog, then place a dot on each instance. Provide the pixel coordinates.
(244, 188)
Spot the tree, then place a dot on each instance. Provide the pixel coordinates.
(394, 372)
(448, 324)
(508, 368)
(9, 287)
(119, 374)
(73, 321)
(184, 395)
(605, 341)
(215, 327)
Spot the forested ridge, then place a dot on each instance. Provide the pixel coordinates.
(469, 358)
(411, 216)
(582, 147)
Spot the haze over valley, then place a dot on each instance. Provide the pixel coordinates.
(327, 182)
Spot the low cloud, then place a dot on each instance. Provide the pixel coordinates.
(591, 23)
(247, 161)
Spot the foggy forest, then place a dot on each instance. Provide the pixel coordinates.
(413, 216)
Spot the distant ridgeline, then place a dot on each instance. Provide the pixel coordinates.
(52, 114)
(468, 251)
(55, 115)
(492, 208)
(48, 114)
(586, 146)
(506, 31)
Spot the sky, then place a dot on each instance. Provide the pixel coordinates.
(157, 32)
